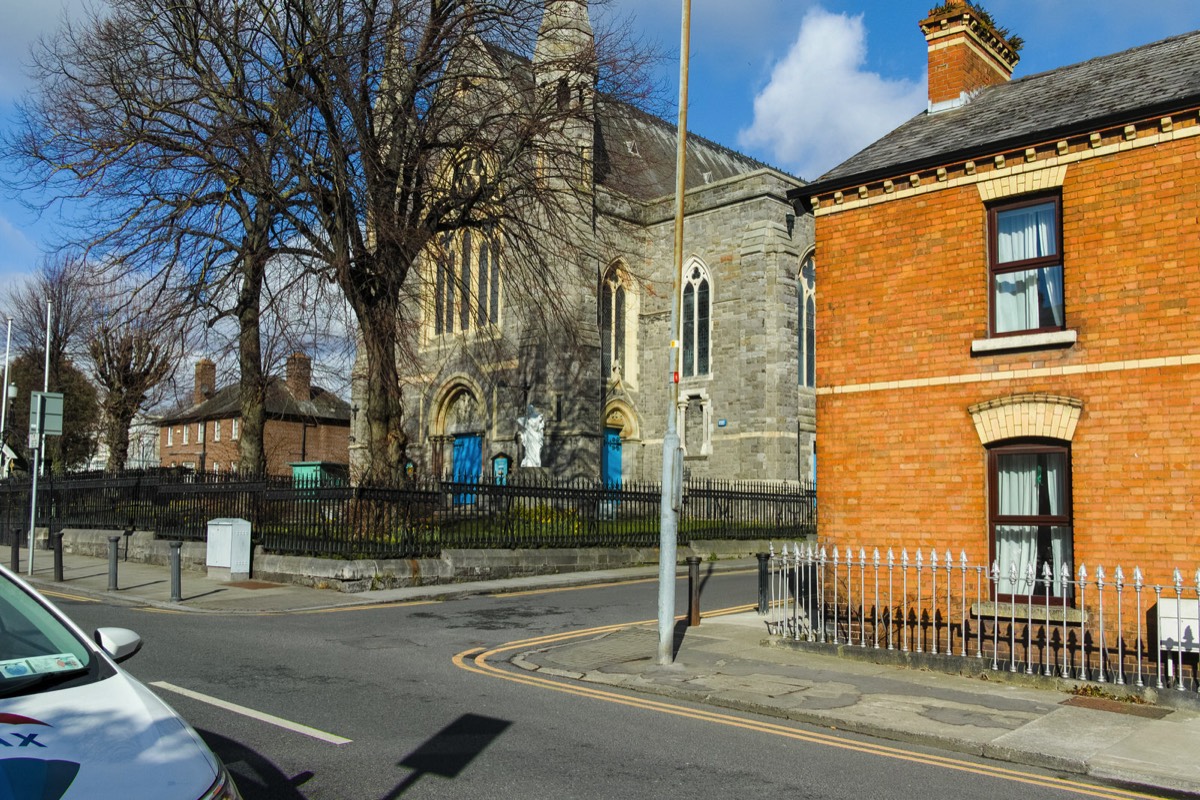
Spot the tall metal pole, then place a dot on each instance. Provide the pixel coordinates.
(671, 489)
(4, 401)
(39, 463)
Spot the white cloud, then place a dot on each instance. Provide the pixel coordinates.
(820, 106)
(24, 22)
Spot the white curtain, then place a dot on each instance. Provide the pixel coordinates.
(1016, 545)
(1060, 536)
(1016, 301)
(1023, 234)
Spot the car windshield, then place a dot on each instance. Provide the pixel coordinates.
(34, 645)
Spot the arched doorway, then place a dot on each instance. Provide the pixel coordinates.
(620, 424)
(458, 437)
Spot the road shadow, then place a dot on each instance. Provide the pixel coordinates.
(256, 777)
(451, 750)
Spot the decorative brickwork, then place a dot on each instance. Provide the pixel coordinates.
(1026, 416)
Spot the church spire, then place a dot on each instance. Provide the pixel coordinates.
(565, 35)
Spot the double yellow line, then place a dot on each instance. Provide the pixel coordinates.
(477, 660)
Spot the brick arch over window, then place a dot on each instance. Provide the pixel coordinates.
(1026, 416)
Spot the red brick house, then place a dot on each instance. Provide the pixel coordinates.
(1007, 318)
(305, 423)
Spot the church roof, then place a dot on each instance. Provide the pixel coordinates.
(636, 154)
(1135, 84)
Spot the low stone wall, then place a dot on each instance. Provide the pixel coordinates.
(454, 566)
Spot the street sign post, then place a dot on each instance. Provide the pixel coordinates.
(45, 419)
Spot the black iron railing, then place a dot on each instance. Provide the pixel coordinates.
(415, 519)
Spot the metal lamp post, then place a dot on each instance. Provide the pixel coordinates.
(672, 474)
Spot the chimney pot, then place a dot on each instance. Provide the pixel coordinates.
(299, 376)
(965, 53)
(205, 384)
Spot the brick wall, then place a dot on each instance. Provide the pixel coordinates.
(904, 292)
(285, 442)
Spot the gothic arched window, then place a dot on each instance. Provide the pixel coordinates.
(612, 323)
(467, 283)
(697, 321)
(807, 303)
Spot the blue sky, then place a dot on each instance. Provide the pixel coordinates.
(799, 84)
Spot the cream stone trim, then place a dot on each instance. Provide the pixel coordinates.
(1026, 415)
(1097, 150)
(1189, 360)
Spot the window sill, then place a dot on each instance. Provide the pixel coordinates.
(1031, 341)
(1024, 611)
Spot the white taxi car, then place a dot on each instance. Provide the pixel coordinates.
(75, 725)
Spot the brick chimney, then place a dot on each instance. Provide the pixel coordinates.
(299, 376)
(206, 381)
(966, 54)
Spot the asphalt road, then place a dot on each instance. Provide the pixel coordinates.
(418, 726)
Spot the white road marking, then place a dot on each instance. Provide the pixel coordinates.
(250, 712)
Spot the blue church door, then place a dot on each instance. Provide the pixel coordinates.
(611, 462)
(468, 463)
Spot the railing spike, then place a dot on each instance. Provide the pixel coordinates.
(876, 556)
(892, 560)
(1178, 579)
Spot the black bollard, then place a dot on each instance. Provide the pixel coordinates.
(56, 539)
(764, 582)
(176, 587)
(112, 562)
(693, 563)
(15, 558)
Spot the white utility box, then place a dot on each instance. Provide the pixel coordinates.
(1178, 624)
(228, 556)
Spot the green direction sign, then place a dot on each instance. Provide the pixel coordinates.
(45, 415)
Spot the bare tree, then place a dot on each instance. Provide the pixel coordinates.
(152, 115)
(69, 285)
(213, 135)
(129, 358)
(426, 120)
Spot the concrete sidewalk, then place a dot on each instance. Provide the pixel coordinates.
(150, 584)
(731, 662)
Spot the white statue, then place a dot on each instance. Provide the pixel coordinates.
(531, 428)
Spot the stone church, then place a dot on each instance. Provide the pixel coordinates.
(746, 408)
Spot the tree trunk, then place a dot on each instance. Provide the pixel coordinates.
(253, 385)
(117, 418)
(386, 441)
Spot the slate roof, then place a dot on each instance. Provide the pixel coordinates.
(646, 170)
(1135, 84)
(320, 406)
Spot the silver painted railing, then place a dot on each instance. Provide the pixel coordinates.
(1099, 626)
